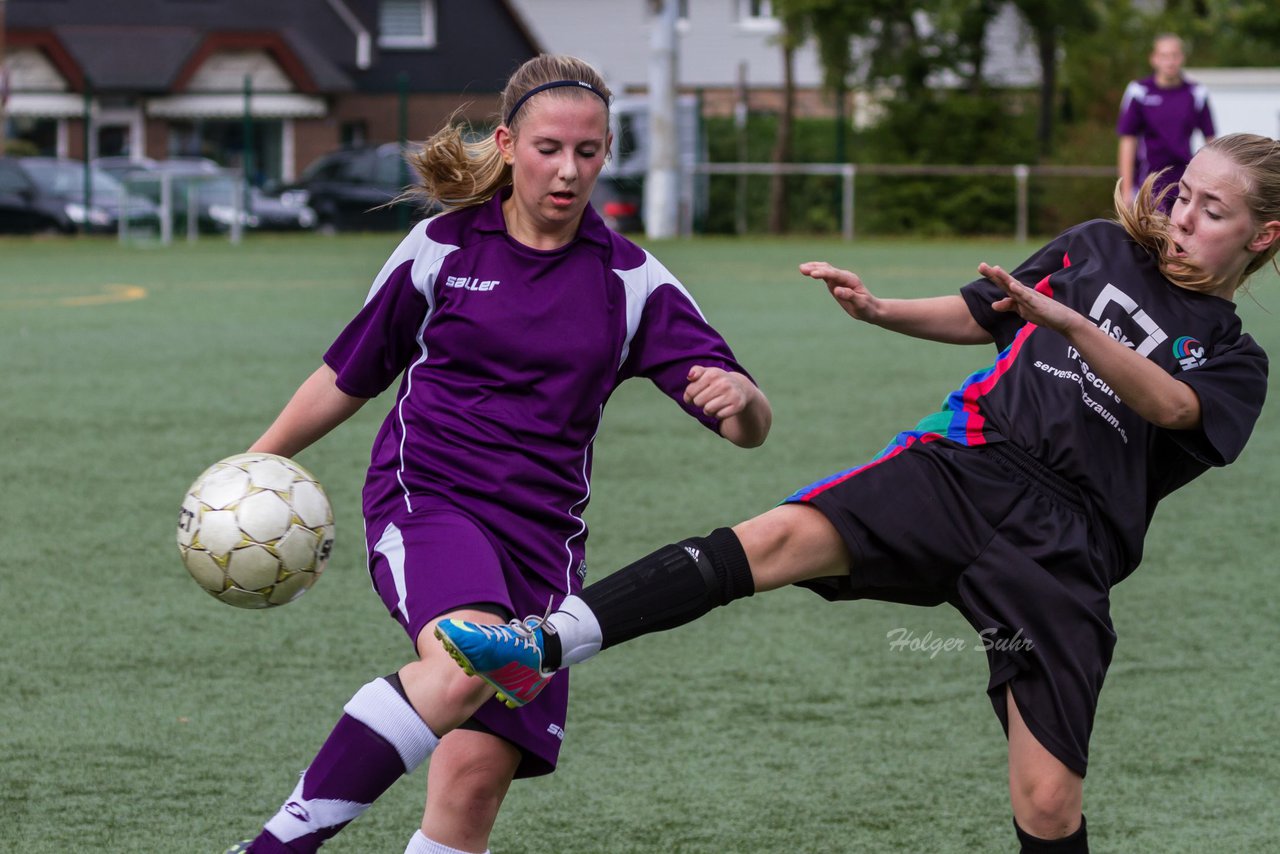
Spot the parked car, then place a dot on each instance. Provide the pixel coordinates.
(213, 190)
(618, 200)
(350, 189)
(39, 194)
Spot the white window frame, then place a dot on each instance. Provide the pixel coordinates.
(756, 16)
(682, 17)
(426, 40)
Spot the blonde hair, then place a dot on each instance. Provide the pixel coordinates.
(457, 172)
(1258, 158)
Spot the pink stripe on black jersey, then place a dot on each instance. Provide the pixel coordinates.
(961, 419)
(899, 444)
(967, 420)
(967, 424)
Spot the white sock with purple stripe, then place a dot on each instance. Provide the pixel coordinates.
(382, 709)
(378, 739)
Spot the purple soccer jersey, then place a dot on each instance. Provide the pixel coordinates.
(506, 356)
(1163, 120)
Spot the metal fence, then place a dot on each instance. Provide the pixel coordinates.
(848, 172)
(192, 208)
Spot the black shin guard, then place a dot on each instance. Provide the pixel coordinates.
(671, 587)
(1076, 843)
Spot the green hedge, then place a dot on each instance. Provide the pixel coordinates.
(944, 128)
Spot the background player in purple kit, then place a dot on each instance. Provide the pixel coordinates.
(1158, 116)
(509, 321)
(1122, 374)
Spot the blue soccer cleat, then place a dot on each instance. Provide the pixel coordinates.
(507, 657)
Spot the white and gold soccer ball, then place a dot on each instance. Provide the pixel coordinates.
(255, 530)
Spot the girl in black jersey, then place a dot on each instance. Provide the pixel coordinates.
(1122, 375)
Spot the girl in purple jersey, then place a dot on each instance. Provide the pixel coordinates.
(508, 321)
(1122, 375)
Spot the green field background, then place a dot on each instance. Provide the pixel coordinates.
(137, 714)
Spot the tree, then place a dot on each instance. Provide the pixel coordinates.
(1051, 21)
(1225, 32)
(886, 41)
(782, 141)
(833, 24)
(967, 22)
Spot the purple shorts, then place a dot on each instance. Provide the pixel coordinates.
(437, 560)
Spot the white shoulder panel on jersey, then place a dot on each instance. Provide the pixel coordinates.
(426, 254)
(1134, 91)
(1201, 95)
(638, 284)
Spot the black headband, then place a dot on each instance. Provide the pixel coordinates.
(555, 84)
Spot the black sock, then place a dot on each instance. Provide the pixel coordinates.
(394, 681)
(550, 651)
(1076, 843)
(670, 587)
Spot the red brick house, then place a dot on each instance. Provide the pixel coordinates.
(161, 78)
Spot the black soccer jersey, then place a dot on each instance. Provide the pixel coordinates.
(1042, 396)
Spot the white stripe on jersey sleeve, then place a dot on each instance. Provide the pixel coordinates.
(638, 284)
(1201, 96)
(1134, 90)
(426, 255)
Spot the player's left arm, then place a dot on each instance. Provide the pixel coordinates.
(1143, 385)
(741, 407)
(315, 408)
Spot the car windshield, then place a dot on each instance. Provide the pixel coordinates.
(327, 168)
(67, 178)
(392, 170)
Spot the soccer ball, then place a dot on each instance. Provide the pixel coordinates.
(255, 530)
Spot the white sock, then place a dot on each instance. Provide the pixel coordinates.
(384, 710)
(578, 630)
(420, 844)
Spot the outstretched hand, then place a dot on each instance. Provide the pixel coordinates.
(847, 289)
(1031, 305)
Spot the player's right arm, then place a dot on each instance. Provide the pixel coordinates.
(1125, 158)
(315, 408)
(946, 318)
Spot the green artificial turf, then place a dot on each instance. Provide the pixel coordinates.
(140, 715)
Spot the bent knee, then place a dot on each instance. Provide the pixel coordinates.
(438, 683)
(457, 686)
(790, 543)
(462, 691)
(476, 789)
(1048, 807)
(472, 773)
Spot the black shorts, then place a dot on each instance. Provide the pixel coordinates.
(1014, 547)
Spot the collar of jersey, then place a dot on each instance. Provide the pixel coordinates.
(490, 219)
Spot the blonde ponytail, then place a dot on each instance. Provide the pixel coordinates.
(454, 172)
